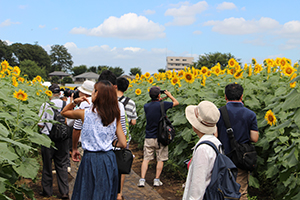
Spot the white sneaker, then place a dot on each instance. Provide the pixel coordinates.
(141, 182)
(157, 182)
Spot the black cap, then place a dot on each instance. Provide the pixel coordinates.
(154, 92)
(54, 88)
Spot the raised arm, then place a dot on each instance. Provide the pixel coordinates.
(175, 102)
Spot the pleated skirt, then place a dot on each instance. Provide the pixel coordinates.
(97, 177)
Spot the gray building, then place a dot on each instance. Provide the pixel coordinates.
(178, 63)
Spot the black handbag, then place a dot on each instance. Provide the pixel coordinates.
(244, 156)
(124, 159)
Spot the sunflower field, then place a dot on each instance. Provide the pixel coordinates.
(270, 90)
(20, 101)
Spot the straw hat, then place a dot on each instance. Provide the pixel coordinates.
(87, 87)
(203, 117)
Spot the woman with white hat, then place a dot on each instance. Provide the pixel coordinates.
(203, 119)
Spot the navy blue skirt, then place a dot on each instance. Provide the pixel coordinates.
(97, 177)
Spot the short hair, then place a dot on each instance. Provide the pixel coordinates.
(122, 84)
(234, 91)
(106, 102)
(109, 76)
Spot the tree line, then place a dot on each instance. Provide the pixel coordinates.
(33, 60)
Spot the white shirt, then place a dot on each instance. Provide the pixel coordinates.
(58, 103)
(200, 169)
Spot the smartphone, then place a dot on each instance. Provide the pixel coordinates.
(162, 91)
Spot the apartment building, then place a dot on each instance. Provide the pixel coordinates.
(178, 63)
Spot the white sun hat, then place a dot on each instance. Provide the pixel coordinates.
(87, 87)
(203, 117)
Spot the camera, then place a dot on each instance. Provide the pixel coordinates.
(162, 91)
(68, 92)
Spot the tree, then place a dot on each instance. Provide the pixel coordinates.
(67, 79)
(55, 79)
(61, 60)
(6, 53)
(211, 59)
(79, 69)
(102, 68)
(118, 71)
(135, 70)
(36, 53)
(92, 69)
(161, 70)
(31, 69)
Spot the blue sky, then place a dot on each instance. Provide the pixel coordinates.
(142, 33)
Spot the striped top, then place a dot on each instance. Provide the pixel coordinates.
(130, 109)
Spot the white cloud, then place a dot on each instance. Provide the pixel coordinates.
(186, 13)
(243, 8)
(8, 42)
(291, 28)
(126, 58)
(226, 6)
(149, 12)
(8, 22)
(133, 49)
(42, 26)
(197, 32)
(128, 26)
(56, 28)
(240, 26)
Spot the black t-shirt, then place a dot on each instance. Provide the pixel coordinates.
(153, 114)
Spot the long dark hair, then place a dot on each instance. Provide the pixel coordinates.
(106, 102)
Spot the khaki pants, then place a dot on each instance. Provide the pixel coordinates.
(243, 179)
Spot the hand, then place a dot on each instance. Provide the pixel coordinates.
(76, 157)
(81, 99)
(168, 93)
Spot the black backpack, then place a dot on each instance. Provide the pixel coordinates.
(59, 131)
(244, 156)
(125, 101)
(223, 183)
(166, 131)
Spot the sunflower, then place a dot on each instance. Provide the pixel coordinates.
(150, 80)
(277, 61)
(204, 70)
(181, 74)
(137, 76)
(21, 95)
(283, 62)
(238, 74)
(38, 78)
(49, 93)
(155, 75)
(231, 62)
(254, 61)
(293, 84)
(257, 68)
(147, 75)
(4, 65)
(15, 82)
(169, 74)
(16, 71)
(216, 69)
(208, 73)
(288, 70)
(142, 77)
(270, 117)
(138, 91)
(175, 80)
(189, 77)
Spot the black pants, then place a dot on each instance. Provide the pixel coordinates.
(61, 161)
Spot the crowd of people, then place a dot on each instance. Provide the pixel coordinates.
(99, 114)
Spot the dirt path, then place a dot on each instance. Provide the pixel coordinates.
(172, 189)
